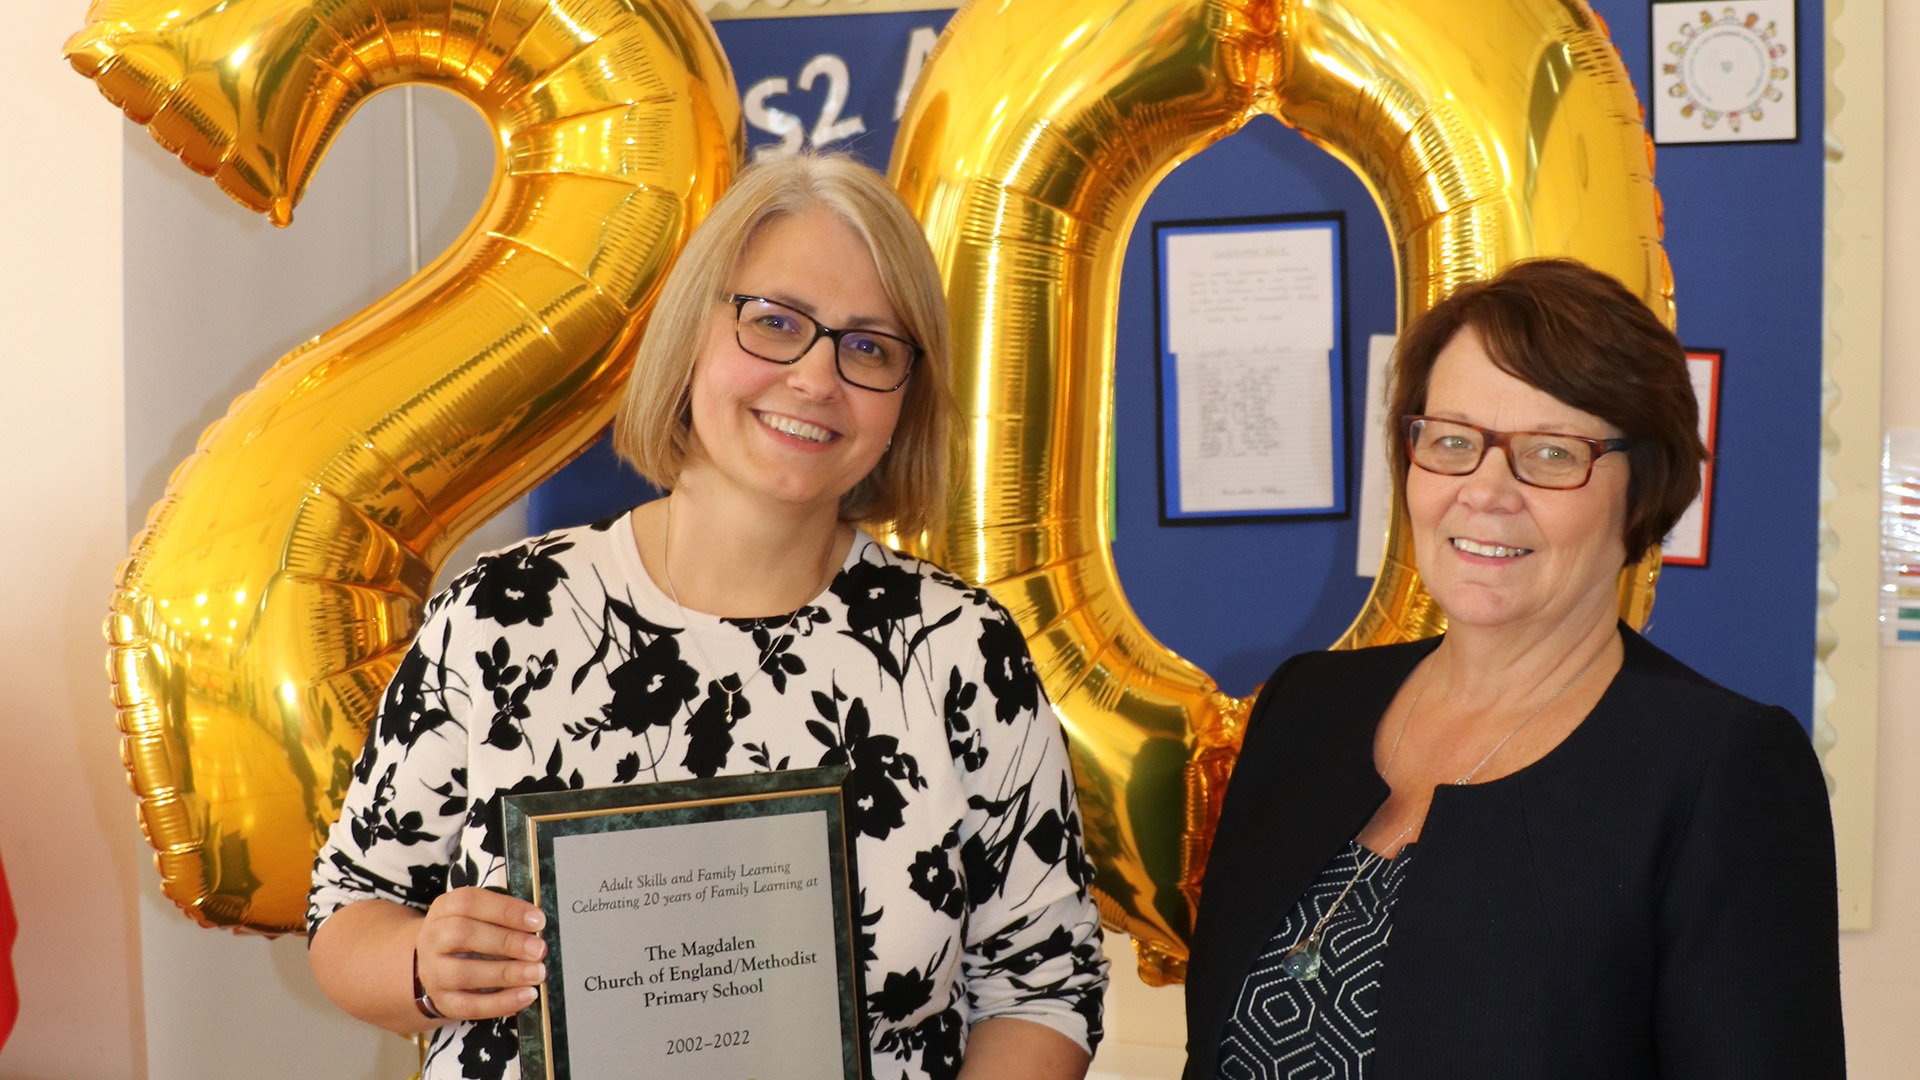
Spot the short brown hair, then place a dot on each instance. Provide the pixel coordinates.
(906, 491)
(1563, 327)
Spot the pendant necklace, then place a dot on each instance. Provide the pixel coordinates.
(686, 624)
(1302, 962)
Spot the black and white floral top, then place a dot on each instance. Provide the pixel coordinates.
(558, 664)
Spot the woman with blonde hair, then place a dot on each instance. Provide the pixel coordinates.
(791, 397)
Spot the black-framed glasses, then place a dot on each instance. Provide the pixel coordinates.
(1541, 459)
(869, 359)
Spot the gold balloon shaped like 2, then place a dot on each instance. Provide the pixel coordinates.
(280, 579)
(1486, 130)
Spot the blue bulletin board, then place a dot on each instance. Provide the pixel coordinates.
(1744, 233)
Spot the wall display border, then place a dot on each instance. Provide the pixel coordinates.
(1847, 649)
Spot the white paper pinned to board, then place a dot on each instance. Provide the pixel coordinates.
(1251, 328)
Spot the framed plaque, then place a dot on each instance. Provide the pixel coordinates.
(695, 929)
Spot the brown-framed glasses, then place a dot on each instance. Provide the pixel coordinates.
(1543, 459)
(869, 359)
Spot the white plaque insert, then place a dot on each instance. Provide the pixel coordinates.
(701, 951)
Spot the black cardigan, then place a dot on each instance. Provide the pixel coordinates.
(1653, 898)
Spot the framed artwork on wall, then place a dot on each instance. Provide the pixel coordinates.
(1724, 72)
(1252, 372)
(1686, 545)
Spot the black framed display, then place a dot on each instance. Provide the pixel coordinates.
(1252, 380)
(1724, 72)
(695, 929)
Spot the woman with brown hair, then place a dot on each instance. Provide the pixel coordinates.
(791, 397)
(1536, 846)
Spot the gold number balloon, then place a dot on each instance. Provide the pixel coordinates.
(268, 600)
(1488, 130)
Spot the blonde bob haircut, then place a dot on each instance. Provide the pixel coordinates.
(906, 491)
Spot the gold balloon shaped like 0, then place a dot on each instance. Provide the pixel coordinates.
(278, 582)
(1486, 130)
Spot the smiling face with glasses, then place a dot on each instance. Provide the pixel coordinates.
(1530, 534)
(784, 404)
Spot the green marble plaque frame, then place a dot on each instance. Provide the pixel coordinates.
(534, 820)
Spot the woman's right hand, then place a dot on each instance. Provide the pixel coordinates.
(479, 954)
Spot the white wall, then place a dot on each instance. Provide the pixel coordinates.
(67, 834)
(1880, 968)
(214, 294)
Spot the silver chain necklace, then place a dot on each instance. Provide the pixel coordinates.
(1302, 962)
(686, 624)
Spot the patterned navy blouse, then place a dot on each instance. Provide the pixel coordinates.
(1321, 1028)
(559, 664)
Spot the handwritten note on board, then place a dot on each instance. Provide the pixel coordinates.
(1250, 333)
(1253, 431)
(1247, 291)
